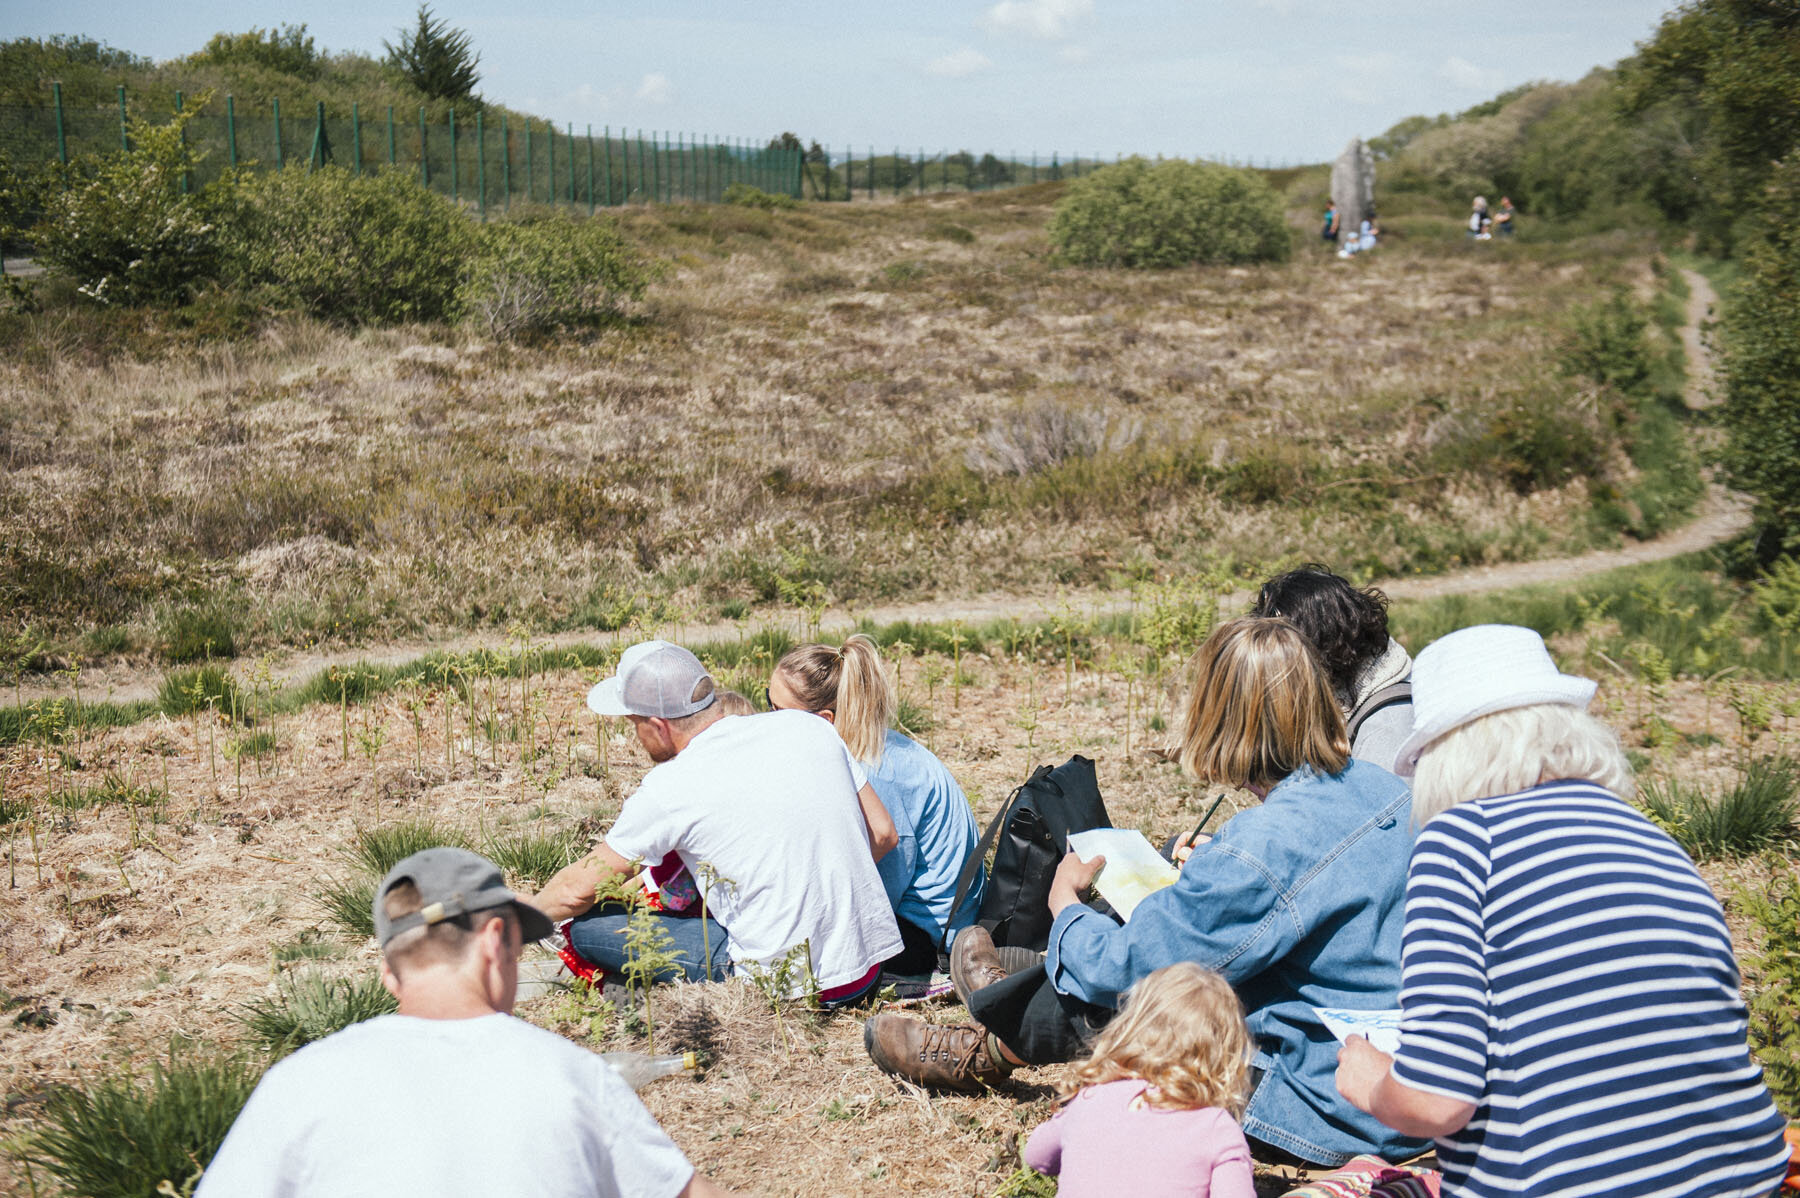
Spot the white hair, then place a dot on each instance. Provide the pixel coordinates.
(1514, 750)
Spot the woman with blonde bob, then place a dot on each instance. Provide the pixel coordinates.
(1153, 1111)
(849, 686)
(1296, 903)
(1570, 1015)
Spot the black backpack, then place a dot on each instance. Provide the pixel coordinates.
(1036, 820)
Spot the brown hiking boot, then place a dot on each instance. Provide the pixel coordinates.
(952, 1057)
(975, 961)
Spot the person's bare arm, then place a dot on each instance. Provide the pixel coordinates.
(1365, 1077)
(883, 835)
(700, 1187)
(571, 891)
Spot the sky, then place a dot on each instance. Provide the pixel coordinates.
(1278, 81)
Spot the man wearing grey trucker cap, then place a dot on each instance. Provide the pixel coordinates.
(452, 1096)
(770, 815)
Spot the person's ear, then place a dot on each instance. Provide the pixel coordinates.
(828, 715)
(390, 979)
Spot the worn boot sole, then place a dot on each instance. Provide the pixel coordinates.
(1012, 959)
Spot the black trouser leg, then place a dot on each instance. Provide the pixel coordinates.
(1038, 1025)
(918, 951)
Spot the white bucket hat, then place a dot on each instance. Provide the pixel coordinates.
(1477, 671)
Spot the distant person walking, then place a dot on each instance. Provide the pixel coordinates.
(1478, 220)
(1503, 219)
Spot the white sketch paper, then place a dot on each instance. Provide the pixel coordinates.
(1381, 1027)
(1134, 869)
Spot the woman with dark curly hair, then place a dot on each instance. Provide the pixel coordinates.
(1368, 670)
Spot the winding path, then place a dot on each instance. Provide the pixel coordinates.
(1723, 514)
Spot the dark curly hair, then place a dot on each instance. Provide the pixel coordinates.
(1347, 626)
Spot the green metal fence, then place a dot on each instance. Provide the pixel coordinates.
(493, 161)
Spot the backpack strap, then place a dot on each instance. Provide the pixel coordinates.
(973, 865)
(1393, 694)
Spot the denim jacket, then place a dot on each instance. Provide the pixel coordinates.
(1299, 903)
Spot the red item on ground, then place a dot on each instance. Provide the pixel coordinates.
(1792, 1135)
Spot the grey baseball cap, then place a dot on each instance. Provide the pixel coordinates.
(452, 882)
(655, 678)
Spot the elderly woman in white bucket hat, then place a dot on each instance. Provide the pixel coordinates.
(1571, 1022)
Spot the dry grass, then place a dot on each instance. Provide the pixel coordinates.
(835, 396)
(127, 924)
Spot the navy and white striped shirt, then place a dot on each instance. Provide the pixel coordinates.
(1565, 969)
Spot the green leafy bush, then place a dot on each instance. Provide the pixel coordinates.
(1169, 213)
(357, 249)
(1606, 344)
(199, 633)
(122, 1136)
(531, 858)
(350, 904)
(123, 228)
(1761, 364)
(1772, 977)
(310, 1006)
(748, 195)
(289, 50)
(533, 276)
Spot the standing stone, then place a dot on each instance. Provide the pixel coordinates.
(1353, 186)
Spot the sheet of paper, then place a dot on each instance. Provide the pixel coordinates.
(1381, 1027)
(1134, 869)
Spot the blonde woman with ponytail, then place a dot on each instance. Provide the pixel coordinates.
(848, 685)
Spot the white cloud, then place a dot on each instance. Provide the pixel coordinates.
(1048, 20)
(656, 88)
(961, 62)
(1468, 76)
(1366, 78)
(1074, 55)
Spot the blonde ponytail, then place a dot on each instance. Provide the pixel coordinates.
(851, 682)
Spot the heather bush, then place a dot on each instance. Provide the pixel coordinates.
(532, 276)
(356, 249)
(1172, 213)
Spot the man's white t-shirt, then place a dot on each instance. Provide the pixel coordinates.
(444, 1108)
(763, 811)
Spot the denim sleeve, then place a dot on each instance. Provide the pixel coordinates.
(1226, 911)
(898, 868)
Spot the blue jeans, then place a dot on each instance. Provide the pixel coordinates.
(600, 937)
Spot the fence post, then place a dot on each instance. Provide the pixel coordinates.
(317, 157)
(393, 157)
(528, 160)
(356, 136)
(186, 178)
(62, 140)
(640, 153)
(424, 161)
(944, 179)
(506, 161)
(481, 163)
(590, 156)
(606, 161)
(124, 138)
(550, 175)
(659, 166)
(571, 136)
(454, 193)
(276, 105)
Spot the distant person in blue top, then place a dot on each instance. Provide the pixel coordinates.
(849, 686)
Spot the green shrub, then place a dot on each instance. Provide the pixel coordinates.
(562, 270)
(310, 1006)
(122, 1136)
(1755, 813)
(1606, 345)
(289, 50)
(1761, 365)
(747, 195)
(357, 249)
(1169, 213)
(377, 850)
(199, 634)
(533, 857)
(200, 688)
(123, 229)
(1772, 982)
(350, 904)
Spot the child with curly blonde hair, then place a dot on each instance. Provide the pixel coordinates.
(1154, 1111)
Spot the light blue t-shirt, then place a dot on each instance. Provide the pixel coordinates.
(937, 835)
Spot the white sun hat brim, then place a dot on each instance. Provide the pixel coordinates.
(605, 698)
(1477, 671)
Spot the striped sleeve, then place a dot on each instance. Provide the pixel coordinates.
(1444, 1001)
